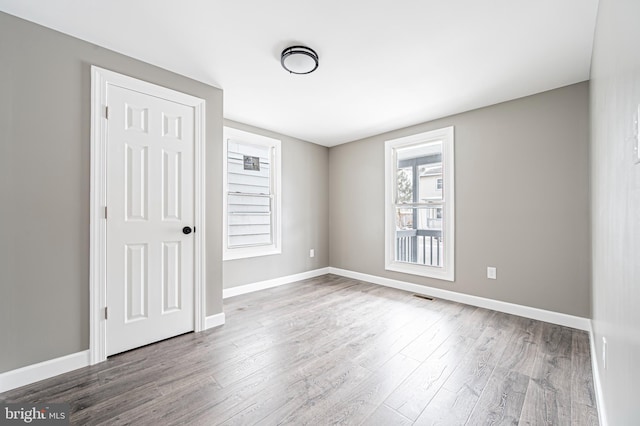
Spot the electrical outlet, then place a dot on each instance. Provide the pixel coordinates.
(604, 353)
(312, 253)
(492, 272)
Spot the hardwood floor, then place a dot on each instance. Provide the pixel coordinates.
(333, 350)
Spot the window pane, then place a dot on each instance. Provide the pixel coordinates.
(248, 168)
(423, 163)
(249, 220)
(419, 235)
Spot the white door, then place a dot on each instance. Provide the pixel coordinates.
(150, 209)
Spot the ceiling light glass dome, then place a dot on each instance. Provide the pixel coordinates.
(299, 60)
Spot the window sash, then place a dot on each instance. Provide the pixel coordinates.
(250, 227)
(420, 243)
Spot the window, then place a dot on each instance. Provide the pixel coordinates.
(251, 220)
(419, 194)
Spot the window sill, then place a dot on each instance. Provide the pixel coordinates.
(421, 270)
(249, 252)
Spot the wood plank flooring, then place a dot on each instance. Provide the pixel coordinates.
(332, 350)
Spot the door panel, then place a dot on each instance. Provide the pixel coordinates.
(136, 282)
(172, 188)
(136, 159)
(150, 196)
(171, 276)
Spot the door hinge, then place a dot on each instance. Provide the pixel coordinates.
(105, 212)
(106, 313)
(106, 112)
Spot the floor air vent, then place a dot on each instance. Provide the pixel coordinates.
(420, 296)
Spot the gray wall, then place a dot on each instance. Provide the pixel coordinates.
(521, 202)
(615, 204)
(44, 182)
(305, 212)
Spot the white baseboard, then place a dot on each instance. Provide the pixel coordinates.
(214, 321)
(262, 285)
(42, 370)
(597, 384)
(496, 305)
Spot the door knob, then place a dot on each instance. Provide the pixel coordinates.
(186, 230)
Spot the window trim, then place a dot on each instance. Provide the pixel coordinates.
(276, 182)
(447, 271)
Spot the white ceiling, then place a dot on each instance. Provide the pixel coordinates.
(383, 65)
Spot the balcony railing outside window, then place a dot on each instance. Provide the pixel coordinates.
(421, 244)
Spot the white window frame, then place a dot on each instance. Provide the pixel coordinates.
(447, 271)
(276, 190)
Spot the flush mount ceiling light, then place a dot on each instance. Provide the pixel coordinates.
(299, 60)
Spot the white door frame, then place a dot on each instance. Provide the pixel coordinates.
(100, 80)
